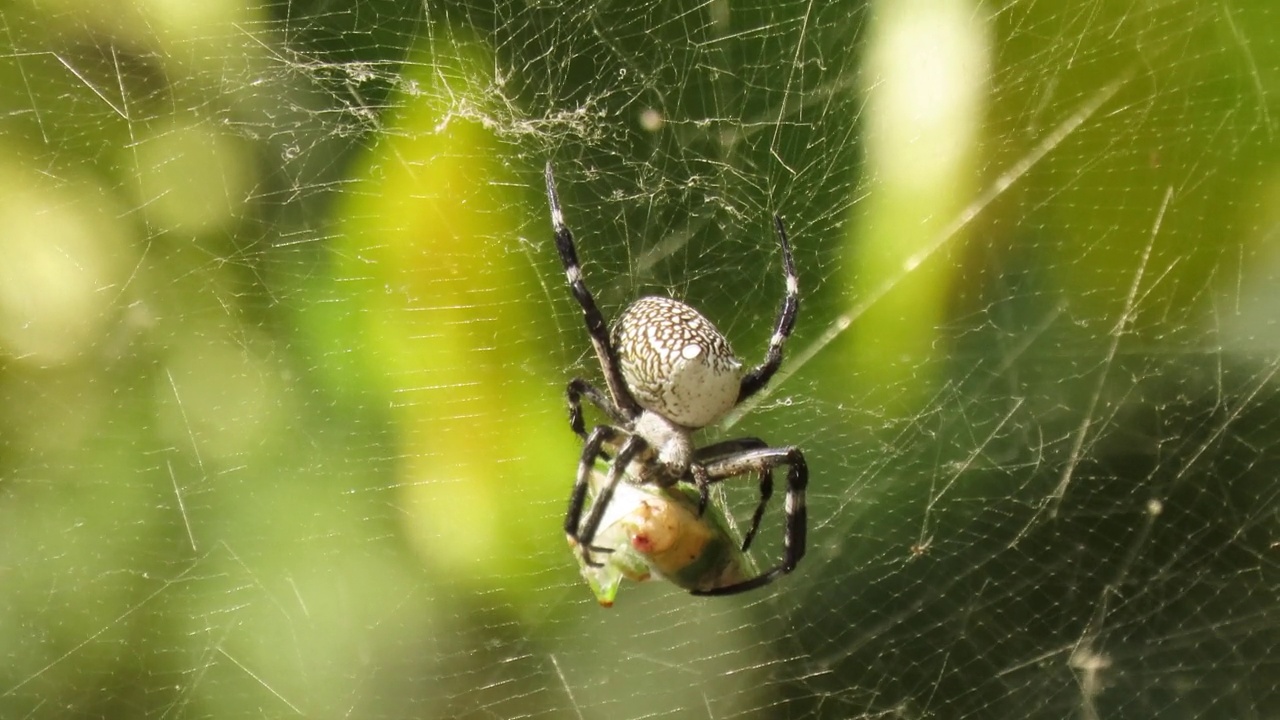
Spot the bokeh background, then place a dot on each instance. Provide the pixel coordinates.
(283, 343)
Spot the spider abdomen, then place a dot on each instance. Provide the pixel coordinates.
(675, 362)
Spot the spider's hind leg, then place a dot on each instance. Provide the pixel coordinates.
(758, 376)
(591, 315)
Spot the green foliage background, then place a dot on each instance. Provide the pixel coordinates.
(283, 342)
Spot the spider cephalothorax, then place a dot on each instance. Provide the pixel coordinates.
(669, 372)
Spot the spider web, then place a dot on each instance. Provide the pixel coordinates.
(284, 341)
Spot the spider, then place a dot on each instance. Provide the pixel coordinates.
(669, 373)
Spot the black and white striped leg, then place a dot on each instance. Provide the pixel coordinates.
(793, 540)
(724, 448)
(578, 389)
(585, 534)
(592, 449)
(758, 376)
(596, 326)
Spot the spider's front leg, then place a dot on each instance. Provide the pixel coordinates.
(766, 492)
(594, 447)
(723, 449)
(762, 461)
(701, 480)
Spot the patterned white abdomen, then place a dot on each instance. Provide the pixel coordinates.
(675, 362)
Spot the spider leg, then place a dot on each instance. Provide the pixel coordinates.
(593, 448)
(702, 481)
(766, 492)
(759, 375)
(578, 389)
(716, 451)
(763, 461)
(596, 326)
(630, 447)
(729, 447)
